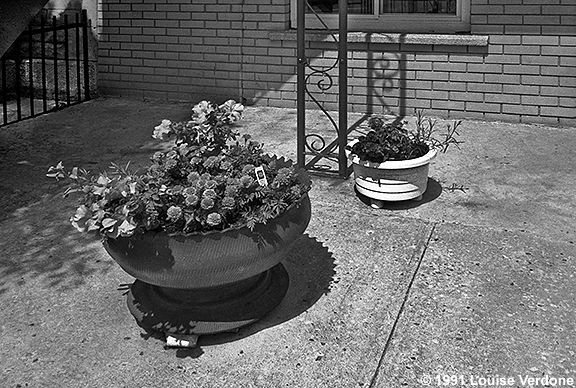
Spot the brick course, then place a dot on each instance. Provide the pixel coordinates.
(219, 49)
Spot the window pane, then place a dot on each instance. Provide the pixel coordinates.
(418, 6)
(359, 7)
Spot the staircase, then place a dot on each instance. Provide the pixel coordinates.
(14, 18)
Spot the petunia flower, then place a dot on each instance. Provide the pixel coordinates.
(162, 130)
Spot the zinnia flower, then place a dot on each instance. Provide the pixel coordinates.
(171, 163)
(175, 190)
(211, 162)
(193, 177)
(232, 181)
(213, 219)
(174, 213)
(295, 191)
(189, 191)
(246, 181)
(209, 193)
(191, 200)
(228, 203)
(247, 169)
(220, 179)
(231, 191)
(207, 203)
(283, 177)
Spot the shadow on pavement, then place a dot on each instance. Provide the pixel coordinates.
(311, 269)
(41, 244)
(433, 191)
(37, 239)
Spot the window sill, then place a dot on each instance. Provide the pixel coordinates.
(393, 38)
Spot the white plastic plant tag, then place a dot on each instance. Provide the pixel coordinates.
(261, 176)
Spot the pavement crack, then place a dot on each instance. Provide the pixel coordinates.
(374, 379)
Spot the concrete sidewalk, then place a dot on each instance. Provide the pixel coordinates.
(473, 285)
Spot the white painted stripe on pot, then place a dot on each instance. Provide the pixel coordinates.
(389, 197)
(400, 187)
(397, 192)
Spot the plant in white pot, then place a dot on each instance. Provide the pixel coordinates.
(203, 228)
(391, 162)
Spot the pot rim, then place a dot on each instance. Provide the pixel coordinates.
(391, 164)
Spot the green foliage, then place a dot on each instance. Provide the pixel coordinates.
(392, 141)
(205, 182)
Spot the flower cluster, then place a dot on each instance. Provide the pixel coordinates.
(207, 181)
(392, 141)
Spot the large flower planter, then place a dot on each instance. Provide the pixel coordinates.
(392, 180)
(210, 282)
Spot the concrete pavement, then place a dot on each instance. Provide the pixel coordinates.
(468, 286)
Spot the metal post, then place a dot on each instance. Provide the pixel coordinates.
(18, 79)
(78, 79)
(85, 47)
(342, 86)
(4, 89)
(43, 55)
(67, 59)
(300, 79)
(31, 69)
(55, 53)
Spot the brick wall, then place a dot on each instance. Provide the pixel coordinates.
(192, 49)
(218, 49)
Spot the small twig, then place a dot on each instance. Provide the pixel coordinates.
(456, 187)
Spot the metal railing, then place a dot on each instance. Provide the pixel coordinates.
(314, 145)
(46, 69)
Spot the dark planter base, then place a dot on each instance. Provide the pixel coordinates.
(207, 310)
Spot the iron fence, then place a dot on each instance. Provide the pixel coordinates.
(46, 69)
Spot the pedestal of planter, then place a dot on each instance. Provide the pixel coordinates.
(209, 282)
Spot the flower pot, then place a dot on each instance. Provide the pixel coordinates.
(210, 282)
(392, 180)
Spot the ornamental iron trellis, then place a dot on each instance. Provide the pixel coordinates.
(313, 147)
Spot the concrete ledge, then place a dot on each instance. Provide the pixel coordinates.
(375, 37)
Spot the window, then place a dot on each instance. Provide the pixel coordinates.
(410, 16)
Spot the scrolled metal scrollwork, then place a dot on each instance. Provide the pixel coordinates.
(312, 144)
(324, 83)
(315, 81)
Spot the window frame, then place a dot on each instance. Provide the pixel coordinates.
(393, 22)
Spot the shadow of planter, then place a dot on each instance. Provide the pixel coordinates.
(433, 191)
(310, 267)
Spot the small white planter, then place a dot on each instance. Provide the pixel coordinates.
(392, 180)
